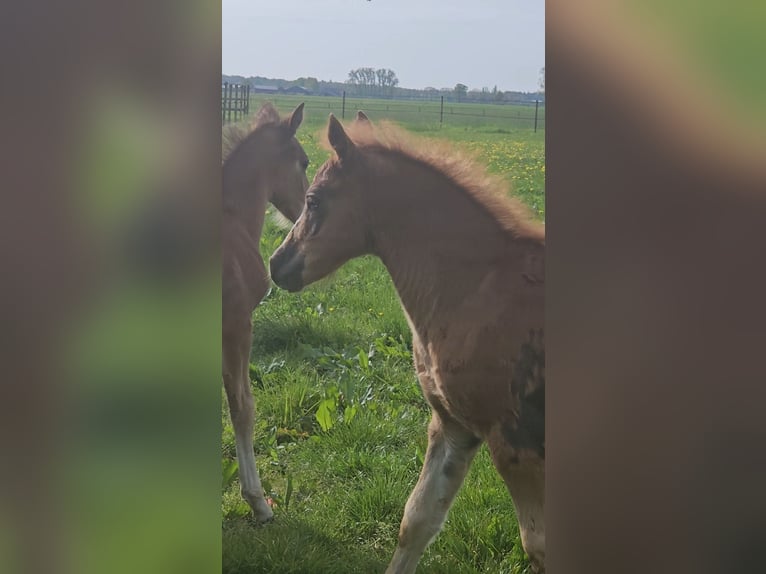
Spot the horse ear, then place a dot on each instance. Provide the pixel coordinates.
(363, 122)
(339, 141)
(295, 119)
(266, 115)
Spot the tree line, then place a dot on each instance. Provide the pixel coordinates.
(383, 83)
(372, 82)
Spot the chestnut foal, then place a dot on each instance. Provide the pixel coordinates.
(468, 264)
(261, 165)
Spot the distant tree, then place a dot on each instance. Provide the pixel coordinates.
(460, 91)
(358, 79)
(383, 82)
(369, 81)
(541, 80)
(380, 78)
(391, 81)
(311, 84)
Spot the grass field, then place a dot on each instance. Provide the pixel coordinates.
(340, 420)
(417, 115)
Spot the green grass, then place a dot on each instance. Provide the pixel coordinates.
(417, 115)
(517, 153)
(340, 428)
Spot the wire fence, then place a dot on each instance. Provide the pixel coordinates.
(428, 114)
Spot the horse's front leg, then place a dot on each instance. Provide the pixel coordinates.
(448, 458)
(236, 379)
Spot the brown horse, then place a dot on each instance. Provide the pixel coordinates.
(468, 265)
(264, 164)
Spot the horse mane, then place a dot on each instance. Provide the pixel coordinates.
(234, 135)
(490, 192)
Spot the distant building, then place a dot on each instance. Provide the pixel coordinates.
(258, 89)
(261, 89)
(295, 90)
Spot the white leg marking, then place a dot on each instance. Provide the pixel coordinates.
(252, 491)
(446, 464)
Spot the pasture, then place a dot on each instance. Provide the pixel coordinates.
(417, 115)
(340, 420)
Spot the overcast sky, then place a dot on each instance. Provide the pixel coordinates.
(435, 43)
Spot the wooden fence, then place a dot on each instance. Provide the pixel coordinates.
(235, 100)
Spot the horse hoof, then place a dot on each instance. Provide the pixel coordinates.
(264, 515)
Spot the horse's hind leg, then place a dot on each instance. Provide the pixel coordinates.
(450, 452)
(524, 476)
(236, 379)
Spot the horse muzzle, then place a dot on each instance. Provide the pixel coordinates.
(286, 267)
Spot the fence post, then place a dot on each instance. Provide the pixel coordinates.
(223, 102)
(228, 102)
(537, 104)
(441, 113)
(235, 102)
(343, 108)
(240, 102)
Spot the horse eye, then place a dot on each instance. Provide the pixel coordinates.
(305, 164)
(312, 202)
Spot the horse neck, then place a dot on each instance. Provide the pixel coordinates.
(245, 191)
(437, 242)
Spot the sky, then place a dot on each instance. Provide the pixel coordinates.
(428, 43)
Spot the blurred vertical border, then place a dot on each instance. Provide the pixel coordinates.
(110, 404)
(656, 216)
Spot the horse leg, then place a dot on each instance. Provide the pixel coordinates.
(448, 457)
(236, 379)
(524, 476)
